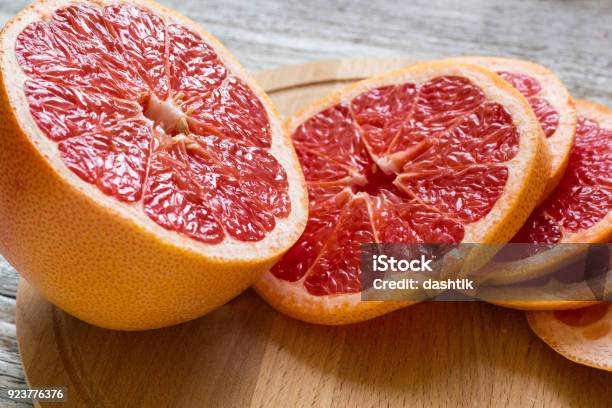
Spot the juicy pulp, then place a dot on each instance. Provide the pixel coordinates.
(146, 111)
(584, 194)
(531, 89)
(406, 163)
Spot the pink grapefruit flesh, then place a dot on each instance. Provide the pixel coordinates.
(583, 198)
(402, 163)
(146, 111)
(578, 211)
(532, 89)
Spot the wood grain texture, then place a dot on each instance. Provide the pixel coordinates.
(572, 37)
(247, 354)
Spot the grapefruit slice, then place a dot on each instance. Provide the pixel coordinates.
(145, 177)
(550, 101)
(581, 335)
(578, 211)
(436, 153)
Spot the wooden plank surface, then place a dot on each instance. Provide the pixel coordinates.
(247, 355)
(571, 37)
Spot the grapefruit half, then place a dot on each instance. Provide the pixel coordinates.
(145, 178)
(550, 101)
(439, 152)
(581, 335)
(578, 211)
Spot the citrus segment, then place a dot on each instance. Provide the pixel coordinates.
(323, 217)
(231, 110)
(241, 189)
(141, 39)
(425, 155)
(465, 194)
(377, 112)
(581, 335)
(531, 89)
(399, 220)
(193, 66)
(485, 135)
(539, 228)
(115, 159)
(160, 170)
(336, 269)
(333, 134)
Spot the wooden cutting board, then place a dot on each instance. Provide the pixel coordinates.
(247, 354)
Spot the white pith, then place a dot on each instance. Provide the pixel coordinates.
(165, 114)
(530, 135)
(287, 229)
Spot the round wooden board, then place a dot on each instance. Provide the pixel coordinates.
(247, 354)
